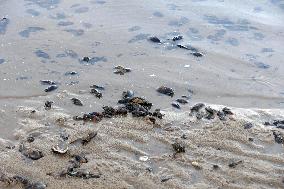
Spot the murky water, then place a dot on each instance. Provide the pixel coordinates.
(242, 43)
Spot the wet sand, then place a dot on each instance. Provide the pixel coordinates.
(241, 67)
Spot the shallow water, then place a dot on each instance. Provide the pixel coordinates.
(242, 42)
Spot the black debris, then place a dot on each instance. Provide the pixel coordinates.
(77, 102)
(51, 88)
(155, 39)
(278, 137)
(121, 70)
(166, 90)
(197, 107)
(96, 92)
(33, 154)
(47, 105)
(182, 101)
(176, 38)
(175, 105)
(47, 82)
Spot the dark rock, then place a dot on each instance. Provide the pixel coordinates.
(182, 101)
(165, 179)
(178, 147)
(155, 39)
(215, 167)
(197, 54)
(176, 38)
(86, 59)
(166, 90)
(278, 137)
(121, 70)
(30, 139)
(227, 111)
(235, 163)
(197, 107)
(77, 102)
(47, 82)
(248, 125)
(98, 87)
(81, 159)
(221, 115)
(71, 73)
(175, 105)
(47, 105)
(157, 113)
(210, 113)
(96, 93)
(183, 47)
(250, 139)
(51, 88)
(127, 94)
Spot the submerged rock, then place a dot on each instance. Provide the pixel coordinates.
(154, 39)
(176, 38)
(182, 101)
(175, 105)
(121, 70)
(86, 59)
(197, 107)
(47, 82)
(166, 91)
(97, 93)
(77, 102)
(51, 88)
(98, 87)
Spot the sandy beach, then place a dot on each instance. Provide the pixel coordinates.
(141, 94)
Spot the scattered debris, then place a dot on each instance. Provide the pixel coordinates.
(278, 123)
(210, 113)
(47, 105)
(77, 102)
(227, 111)
(155, 39)
(26, 183)
(166, 90)
(121, 70)
(51, 88)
